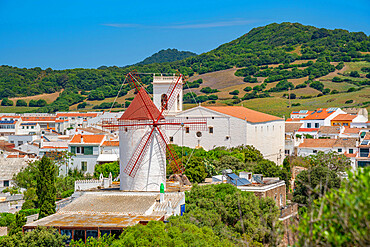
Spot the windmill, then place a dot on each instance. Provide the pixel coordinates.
(143, 142)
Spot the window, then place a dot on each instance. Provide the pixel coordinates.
(350, 151)
(345, 124)
(199, 134)
(287, 151)
(314, 151)
(339, 150)
(32, 127)
(317, 125)
(364, 152)
(84, 166)
(308, 125)
(79, 234)
(210, 130)
(6, 183)
(164, 101)
(67, 233)
(171, 138)
(281, 200)
(28, 127)
(88, 151)
(187, 130)
(20, 143)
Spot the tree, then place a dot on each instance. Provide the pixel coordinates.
(247, 89)
(156, 233)
(270, 169)
(32, 103)
(107, 168)
(46, 190)
(317, 85)
(16, 226)
(235, 92)
(40, 237)
(229, 162)
(82, 105)
(314, 183)
(233, 214)
(341, 217)
(21, 102)
(195, 170)
(41, 103)
(6, 102)
(354, 74)
(334, 161)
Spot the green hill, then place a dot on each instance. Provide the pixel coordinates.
(169, 55)
(265, 63)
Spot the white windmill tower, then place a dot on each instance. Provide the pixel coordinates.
(143, 143)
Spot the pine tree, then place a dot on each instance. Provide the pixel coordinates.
(46, 190)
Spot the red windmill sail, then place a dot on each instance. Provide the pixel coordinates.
(142, 113)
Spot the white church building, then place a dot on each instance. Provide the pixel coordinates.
(228, 126)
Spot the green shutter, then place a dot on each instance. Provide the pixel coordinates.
(73, 149)
(88, 150)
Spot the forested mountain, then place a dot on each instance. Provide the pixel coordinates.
(169, 55)
(272, 44)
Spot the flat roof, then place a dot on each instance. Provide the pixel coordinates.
(75, 220)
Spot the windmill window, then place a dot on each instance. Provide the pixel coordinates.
(213, 117)
(171, 138)
(199, 134)
(187, 130)
(164, 101)
(125, 129)
(210, 129)
(178, 102)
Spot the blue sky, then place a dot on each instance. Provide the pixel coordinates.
(88, 34)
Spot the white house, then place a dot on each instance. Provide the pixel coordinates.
(231, 126)
(346, 146)
(87, 150)
(321, 117)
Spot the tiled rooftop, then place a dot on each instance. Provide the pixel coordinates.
(245, 113)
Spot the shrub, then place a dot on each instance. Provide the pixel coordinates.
(6, 102)
(247, 89)
(21, 102)
(235, 92)
(336, 79)
(349, 101)
(354, 74)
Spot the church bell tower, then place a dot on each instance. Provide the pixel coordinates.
(161, 85)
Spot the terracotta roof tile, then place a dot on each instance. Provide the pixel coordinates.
(92, 139)
(291, 127)
(344, 117)
(328, 143)
(317, 143)
(76, 114)
(350, 155)
(329, 130)
(319, 114)
(244, 113)
(39, 119)
(111, 143)
(351, 130)
(308, 129)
